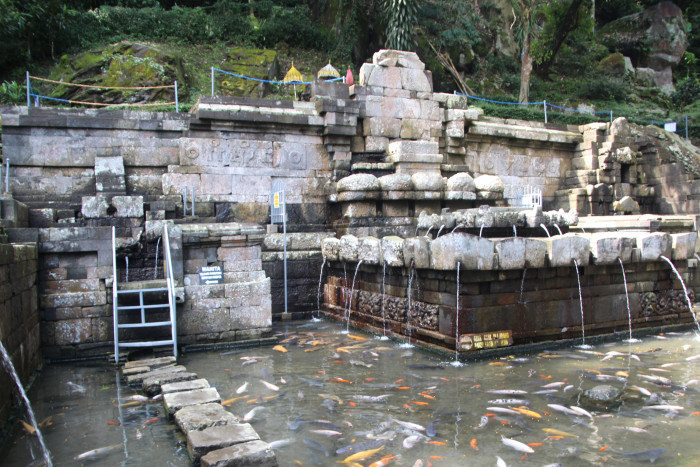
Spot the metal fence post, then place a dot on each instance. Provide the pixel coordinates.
(7, 177)
(212, 81)
(177, 104)
(29, 102)
(545, 111)
(611, 118)
(686, 127)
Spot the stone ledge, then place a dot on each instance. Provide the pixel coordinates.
(201, 442)
(253, 453)
(177, 400)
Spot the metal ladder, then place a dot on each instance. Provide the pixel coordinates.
(143, 308)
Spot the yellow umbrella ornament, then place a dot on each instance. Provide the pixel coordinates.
(293, 77)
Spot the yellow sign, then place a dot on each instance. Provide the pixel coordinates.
(276, 202)
(485, 340)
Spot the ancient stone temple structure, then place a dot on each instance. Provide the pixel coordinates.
(391, 191)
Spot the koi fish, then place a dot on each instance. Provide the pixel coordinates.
(94, 453)
(243, 388)
(556, 432)
(279, 348)
(529, 413)
(384, 461)
(270, 386)
(581, 411)
(517, 445)
(509, 392)
(362, 455)
(473, 444)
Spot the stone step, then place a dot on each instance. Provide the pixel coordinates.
(201, 416)
(201, 442)
(253, 453)
(138, 378)
(184, 386)
(152, 385)
(177, 400)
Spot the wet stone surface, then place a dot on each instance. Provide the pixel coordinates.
(153, 384)
(201, 416)
(201, 442)
(177, 400)
(181, 386)
(253, 453)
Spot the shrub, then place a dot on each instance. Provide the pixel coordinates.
(687, 91)
(12, 93)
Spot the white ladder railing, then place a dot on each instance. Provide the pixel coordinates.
(142, 307)
(532, 196)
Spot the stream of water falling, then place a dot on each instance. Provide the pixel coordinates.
(481, 230)
(345, 288)
(685, 292)
(515, 232)
(318, 292)
(545, 229)
(580, 299)
(408, 309)
(456, 361)
(522, 286)
(352, 291)
(126, 274)
(440, 230)
(557, 226)
(428, 232)
(7, 363)
(627, 296)
(384, 337)
(155, 269)
(458, 226)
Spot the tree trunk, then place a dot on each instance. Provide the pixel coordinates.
(525, 70)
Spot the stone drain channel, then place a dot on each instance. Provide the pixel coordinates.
(215, 437)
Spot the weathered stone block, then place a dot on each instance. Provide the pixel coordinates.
(417, 249)
(94, 207)
(683, 244)
(201, 442)
(415, 80)
(175, 401)
(369, 250)
(654, 245)
(349, 246)
(359, 209)
(128, 206)
(152, 385)
(201, 416)
(253, 453)
(392, 251)
(472, 252)
(563, 250)
(606, 248)
(382, 126)
(330, 247)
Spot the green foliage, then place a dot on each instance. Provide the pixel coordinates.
(608, 10)
(285, 24)
(12, 93)
(687, 91)
(603, 88)
(454, 24)
(401, 22)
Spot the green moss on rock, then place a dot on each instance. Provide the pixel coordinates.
(260, 64)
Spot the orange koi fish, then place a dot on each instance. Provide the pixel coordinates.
(473, 444)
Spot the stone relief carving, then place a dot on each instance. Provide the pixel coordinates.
(424, 315)
(664, 302)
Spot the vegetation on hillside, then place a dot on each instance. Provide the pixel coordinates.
(501, 49)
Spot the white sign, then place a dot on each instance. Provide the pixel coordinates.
(670, 127)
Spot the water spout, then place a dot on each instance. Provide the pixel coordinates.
(545, 229)
(481, 230)
(155, 269)
(126, 274)
(7, 363)
(580, 298)
(429, 229)
(557, 226)
(685, 291)
(458, 226)
(515, 232)
(627, 296)
(440, 230)
(352, 291)
(318, 292)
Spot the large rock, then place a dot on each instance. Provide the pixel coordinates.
(122, 64)
(654, 38)
(251, 454)
(358, 182)
(602, 396)
(201, 416)
(216, 437)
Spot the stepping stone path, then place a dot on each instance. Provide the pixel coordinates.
(215, 437)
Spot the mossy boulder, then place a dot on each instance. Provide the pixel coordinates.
(124, 64)
(613, 64)
(655, 38)
(261, 64)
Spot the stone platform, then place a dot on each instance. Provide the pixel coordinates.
(215, 437)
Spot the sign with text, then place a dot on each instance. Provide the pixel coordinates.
(485, 340)
(210, 275)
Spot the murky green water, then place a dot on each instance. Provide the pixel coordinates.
(325, 380)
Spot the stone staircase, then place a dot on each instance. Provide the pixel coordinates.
(607, 166)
